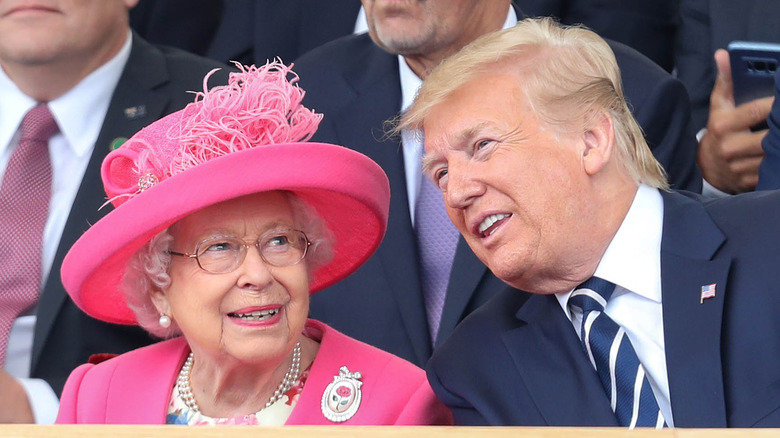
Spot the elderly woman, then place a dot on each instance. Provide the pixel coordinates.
(223, 226)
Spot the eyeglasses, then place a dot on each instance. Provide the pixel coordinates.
(223, 254)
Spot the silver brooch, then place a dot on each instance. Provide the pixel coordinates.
(147, 181)
(341, 398)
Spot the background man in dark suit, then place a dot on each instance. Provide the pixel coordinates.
(359, 82)
(253, 31)
(545, 173)
(729, 153)
(102, 84)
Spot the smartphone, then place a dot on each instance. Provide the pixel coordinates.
(753, 68)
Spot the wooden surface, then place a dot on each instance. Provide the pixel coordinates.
(100, 431)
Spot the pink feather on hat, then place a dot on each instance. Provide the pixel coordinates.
(259, 106)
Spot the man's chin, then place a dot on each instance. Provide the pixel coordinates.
(400, 40)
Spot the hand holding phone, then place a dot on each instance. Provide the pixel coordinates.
(729, 153)
(753, 68)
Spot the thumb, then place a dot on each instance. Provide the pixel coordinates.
(723, 92)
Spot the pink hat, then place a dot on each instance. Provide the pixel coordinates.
(234, 140)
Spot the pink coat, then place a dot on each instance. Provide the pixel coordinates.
(135, 387)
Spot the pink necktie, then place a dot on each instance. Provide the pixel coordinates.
(24, 207)
(437, 239)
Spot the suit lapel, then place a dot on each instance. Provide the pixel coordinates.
(467, 272)
(376, 99)
(134, 104)
(692, 326)
(553, 367)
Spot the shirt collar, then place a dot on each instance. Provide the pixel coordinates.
(632, 260)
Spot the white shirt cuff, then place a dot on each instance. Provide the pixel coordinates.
(708, 190)
(43, 401)
(711, 192)
(700, 134)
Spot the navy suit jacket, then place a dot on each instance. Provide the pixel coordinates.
(253, 31)
(187, 24)
(708, 25)
(355, 84)
(512, 365)
(155, 82)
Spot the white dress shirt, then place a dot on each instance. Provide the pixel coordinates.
(633, 263)
(79, 114)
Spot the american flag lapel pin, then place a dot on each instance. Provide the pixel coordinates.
(707, 291)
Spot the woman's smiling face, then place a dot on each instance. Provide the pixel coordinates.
(255, 313)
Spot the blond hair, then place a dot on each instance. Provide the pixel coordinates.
(570, 76)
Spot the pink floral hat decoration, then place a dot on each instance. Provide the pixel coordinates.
(245, 137)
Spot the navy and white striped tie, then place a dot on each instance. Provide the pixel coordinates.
(611, 353)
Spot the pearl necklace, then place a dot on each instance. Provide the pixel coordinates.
(185, 389)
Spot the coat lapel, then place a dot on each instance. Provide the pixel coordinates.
(467, 272)
(554, 369)
(692, 326)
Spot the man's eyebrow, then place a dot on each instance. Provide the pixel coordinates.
(457, 139)
(427, 163)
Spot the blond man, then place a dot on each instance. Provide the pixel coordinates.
(650, 309)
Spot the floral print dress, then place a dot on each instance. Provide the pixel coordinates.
(274, 415)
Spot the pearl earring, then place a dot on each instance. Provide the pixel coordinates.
(164, 321)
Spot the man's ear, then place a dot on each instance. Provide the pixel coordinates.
(599, 143)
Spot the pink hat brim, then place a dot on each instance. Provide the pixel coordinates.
(350, 192)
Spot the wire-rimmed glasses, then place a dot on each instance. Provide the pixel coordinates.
(223, 254)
